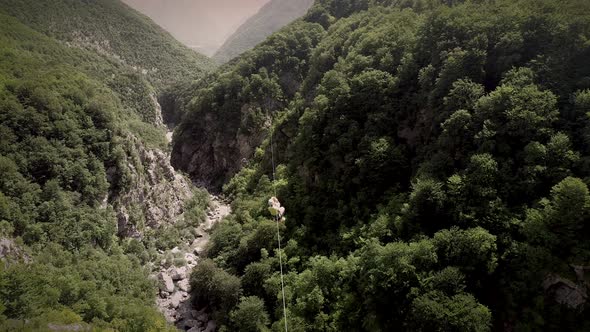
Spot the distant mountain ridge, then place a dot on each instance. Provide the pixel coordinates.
(202, 25)
(269, 19)
(111, 28)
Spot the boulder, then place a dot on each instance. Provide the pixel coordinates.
(201, 316)
(124, 227)
(166, 283)
(190, 323)
(183, 285)
(189, 257)
(580, 272)
(565, 291)
(175, 300)
(11, 251)
(211, 326)
(178, 273)
(184, 310)
(71, 327)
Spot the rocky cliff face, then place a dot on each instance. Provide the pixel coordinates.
(214, 150)
(227, 118)
(567, 292)
(10, 251)
(156, 194)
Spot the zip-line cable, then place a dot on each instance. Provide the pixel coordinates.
(277, 217)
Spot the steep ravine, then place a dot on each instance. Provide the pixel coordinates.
(174, 299)
(156, 194)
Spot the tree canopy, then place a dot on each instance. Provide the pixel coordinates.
(431, 155)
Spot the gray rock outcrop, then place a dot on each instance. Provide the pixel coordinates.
(211, 151)
(156, 193)
(567, 292)
(166, 283)
(10, 251)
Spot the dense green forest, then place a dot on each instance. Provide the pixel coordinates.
(433, 158)
(68, 113)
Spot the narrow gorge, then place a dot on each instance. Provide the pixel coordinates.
(174, 299)
(171, 194)
(374, 165)
(162, 195)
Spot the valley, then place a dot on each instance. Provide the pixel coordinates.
(430, 158)
(174, 299)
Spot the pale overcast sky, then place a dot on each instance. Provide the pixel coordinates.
(201, 24)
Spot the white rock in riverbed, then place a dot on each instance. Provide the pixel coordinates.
(175, 299)
(178, 273)
(166, 283)
(176, 304)
(183, 285)
(189, 257)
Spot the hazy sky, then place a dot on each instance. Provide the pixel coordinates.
(201, 24)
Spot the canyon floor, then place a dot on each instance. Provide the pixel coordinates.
(174, 299)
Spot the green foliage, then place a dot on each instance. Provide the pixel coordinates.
(249, 316)
(28, 51)
(237, 101)
(213, 286)
(437, 312)
(254, 276)
(58, 128)
(560, 220)
(74, 101)
(111, 291)
(185, 229)
(150, 135)
(472, 250)
(195, 209)
(432, 158)
(431, 155)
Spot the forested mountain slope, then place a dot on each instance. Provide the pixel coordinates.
(432, 157)
(271, 17)
(135, 57)
(87, 195)
(112, 28)
(225, 121)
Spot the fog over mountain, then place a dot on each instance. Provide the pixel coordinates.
(200, 24)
